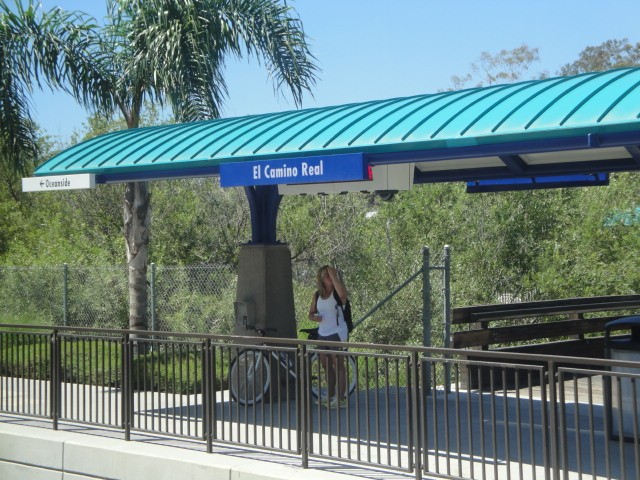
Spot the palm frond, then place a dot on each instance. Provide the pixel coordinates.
(60, 50)
(55, 49)
(17, 135)
(179, 49)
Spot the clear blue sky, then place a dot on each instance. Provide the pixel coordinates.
(374, 49)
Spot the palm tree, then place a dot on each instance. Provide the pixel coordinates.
(55, 49)
(167, 51)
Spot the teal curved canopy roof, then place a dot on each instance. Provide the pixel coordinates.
(585, 123)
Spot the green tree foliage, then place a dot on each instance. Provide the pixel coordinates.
(321, 229)
(506, 66)
(66, 227)
(597, 250)
(205, 225)
(607, 55)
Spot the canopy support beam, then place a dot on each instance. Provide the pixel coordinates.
(514, 163)
(634, 151)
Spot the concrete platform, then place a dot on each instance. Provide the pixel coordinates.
(30, 452)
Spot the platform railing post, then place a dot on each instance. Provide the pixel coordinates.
(126, 386)
(208, 397)
(56, 383)
(553, 445)
(304, 405)
(418, 389)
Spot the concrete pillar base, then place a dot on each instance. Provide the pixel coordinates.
(264, 296)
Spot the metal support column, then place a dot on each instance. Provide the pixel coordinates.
(65, 291)
(446, 309)
(426, 298)
(264, 201)
(153, 297)
(426, 316)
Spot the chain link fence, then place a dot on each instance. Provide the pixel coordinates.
(199, 299)
(31, 295)
(181, 298)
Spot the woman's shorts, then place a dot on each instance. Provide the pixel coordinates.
(334, 337)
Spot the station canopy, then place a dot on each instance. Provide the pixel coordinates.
(552, 132)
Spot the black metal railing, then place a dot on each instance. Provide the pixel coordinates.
(422, 410)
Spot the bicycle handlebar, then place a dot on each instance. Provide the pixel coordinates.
(309, 330)
(312, 333)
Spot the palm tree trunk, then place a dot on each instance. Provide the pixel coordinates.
(136, 232)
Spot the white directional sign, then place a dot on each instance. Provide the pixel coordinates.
(59, 182)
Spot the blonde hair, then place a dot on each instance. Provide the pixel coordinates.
(322, 271)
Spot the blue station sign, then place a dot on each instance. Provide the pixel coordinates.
(349, 167)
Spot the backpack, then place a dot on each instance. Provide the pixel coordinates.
(346, 310)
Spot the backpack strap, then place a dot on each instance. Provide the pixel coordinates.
(338, 305)
(337, 298)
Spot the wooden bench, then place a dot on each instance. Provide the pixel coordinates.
(567, 327)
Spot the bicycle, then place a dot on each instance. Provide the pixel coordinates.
(250, 371)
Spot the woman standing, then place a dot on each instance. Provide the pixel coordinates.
(326, 309)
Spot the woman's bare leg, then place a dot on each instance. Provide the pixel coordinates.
(329, 368)
(341, 371)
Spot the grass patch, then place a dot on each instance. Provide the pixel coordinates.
(166, 368)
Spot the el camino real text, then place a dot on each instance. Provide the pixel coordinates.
(304, 170)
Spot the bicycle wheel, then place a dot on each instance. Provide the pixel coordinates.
(249, 377)
(318, 377)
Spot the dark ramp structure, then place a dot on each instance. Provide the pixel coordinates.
(556, 132)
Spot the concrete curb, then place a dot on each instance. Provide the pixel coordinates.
(30, 453)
